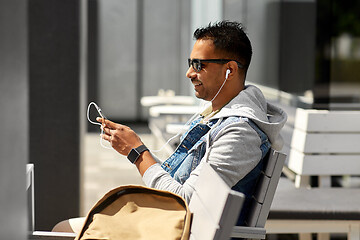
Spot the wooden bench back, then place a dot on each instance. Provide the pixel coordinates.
(265, 189)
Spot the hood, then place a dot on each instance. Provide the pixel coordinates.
(252, 104)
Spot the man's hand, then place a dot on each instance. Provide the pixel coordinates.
(121, 137)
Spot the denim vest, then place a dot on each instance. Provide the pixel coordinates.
(192, 147)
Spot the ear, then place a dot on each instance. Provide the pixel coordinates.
(236, 75)
(231, 69)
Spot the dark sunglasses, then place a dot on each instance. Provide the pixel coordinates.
(197, 63)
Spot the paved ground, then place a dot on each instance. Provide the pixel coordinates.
(104, 169)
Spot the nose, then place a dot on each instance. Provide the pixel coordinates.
(190, 73)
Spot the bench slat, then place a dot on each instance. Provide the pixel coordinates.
(249, 232)
(270, 163)
(255, 209)
(312, 120)
(323, 164)
(325, 142)
(262, 189)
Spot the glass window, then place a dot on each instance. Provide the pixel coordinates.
(338, 54)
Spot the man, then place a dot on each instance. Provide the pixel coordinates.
(233, 134)
(239, 126)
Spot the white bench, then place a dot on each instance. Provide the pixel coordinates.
(216, 208)
(324, 144)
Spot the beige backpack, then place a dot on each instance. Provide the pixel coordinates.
(136, 212)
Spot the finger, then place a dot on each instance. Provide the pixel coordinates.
(107, 123)
(106, 137)
(111, 124)
(106, 130)
(100, 120)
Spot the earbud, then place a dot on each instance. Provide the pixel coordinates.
(227, 73)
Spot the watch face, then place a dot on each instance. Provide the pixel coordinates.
(133, 155)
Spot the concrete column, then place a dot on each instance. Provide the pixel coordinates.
(55, 71)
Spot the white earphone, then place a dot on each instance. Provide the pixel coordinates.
(227, 73)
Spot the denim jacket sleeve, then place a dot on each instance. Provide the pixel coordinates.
(156, 177)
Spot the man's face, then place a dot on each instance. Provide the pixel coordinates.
(208, 81)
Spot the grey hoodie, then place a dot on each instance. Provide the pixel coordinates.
(235, 150)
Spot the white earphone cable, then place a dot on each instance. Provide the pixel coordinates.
(96, 123)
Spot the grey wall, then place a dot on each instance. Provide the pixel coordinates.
(261, 20)
(161, 45)
(282, 33)
(166, 47)
(117, 58)
(14, 121)
(142, 47)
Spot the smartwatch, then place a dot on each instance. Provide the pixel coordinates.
(136, 152)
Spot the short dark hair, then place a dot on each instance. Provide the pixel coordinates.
(229, 37)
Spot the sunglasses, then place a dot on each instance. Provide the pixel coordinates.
(197, 63)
